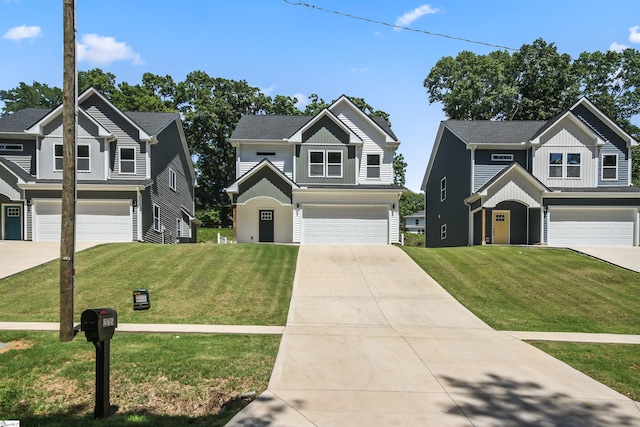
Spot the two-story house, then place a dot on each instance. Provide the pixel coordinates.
(414, 223)
(135, 178)
(321, 179)
(562, 182)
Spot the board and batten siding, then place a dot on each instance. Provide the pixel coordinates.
(485, 168)
(373, 140)
(126, 136)
(167, 155)
(567, 138)
(513, 186)
(248, 156)
(348, 164)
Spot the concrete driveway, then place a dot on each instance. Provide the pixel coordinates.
(19, 255)
(371, 340)
(627, 257)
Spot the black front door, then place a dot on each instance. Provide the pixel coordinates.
(266, 226)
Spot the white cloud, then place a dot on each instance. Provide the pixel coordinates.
(409, 17)
(618, 47)
(103, 50)
(22, 32)
(303, 100)
(634, 34)
(269, 90)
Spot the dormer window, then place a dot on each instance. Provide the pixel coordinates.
(127, 160)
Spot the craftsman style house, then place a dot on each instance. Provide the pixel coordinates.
(135, 178)
(321, 179)
(562, 182)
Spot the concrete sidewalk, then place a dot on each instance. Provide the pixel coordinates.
(155, 328)
(625, 257)
(372, 340)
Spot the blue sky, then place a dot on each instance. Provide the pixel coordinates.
(296, 51)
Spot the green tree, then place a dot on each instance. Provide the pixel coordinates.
(37, 95)
(410, 203)
(399, 170)
(105, 83)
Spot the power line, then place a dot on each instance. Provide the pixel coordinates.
(373, 21)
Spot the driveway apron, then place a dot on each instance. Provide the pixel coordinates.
(372, 340)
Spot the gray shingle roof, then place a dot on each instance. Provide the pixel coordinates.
(16, 169)
(150, 121)
(22, 119)
(494, 132)
(268, 127)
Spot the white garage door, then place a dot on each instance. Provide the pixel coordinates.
(345, 225)
(591, 227)
(105, 221)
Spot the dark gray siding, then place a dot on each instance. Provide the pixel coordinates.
(165, 155)
(26, 158)
(591, 202)
(613, 145)
(325, 131)
(534, 226)
(517, 221)
(477, 228)
(348, 164)
(86, 195)
(452, 160)
(264, 182)
(485, 168)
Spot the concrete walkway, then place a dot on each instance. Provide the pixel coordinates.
(372, 340)
(626, 257)
(20, 255)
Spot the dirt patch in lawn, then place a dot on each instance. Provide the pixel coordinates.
(17, 345)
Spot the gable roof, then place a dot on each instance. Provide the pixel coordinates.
(235, 187)
(476, 132)
(22, 119)
(152, 122)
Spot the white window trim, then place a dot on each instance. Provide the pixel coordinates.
(324, 160)
(443, 189)
(603, 167)
(333, 164)
(567, 165)
(173, 179)
(550, 165)
(502, 157)
(128, 160)
(11, 147)
(378, 166)
(178, 227)
(157, 226)
(443, 231)
(77, 157)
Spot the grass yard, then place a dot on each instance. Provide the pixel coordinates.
(156, 380)
(189, 283)
(211, 234)
(544, 289)
(537, 289)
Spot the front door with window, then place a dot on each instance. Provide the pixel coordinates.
(501, 227)
(266, 226)
(12, 216)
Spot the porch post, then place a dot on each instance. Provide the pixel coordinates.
(235, 225)
(484, 226)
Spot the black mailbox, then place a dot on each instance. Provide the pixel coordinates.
(99, 324)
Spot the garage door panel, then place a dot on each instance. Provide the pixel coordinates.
(95, 222)
(345, 225)
(591, 227)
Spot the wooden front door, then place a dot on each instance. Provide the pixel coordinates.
(265, 232)
(501, 227)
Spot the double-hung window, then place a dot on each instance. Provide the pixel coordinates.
(316, 163)
(156, 217)
(565, 166)
(610, 166)
(127, 160)
(443, 189)
(373, 165)
(443, 231)
(83, 158)
(325, 164)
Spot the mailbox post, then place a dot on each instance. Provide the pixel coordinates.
(99, 325)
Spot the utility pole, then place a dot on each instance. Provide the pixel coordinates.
(69, 120)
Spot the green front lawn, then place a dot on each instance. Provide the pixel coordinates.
(188, 283)
(544, 289)
(155, 379)
(537, 289)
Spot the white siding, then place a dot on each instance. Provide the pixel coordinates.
(248, 155)
(373, 143)
(566, 138)
(513, 186)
